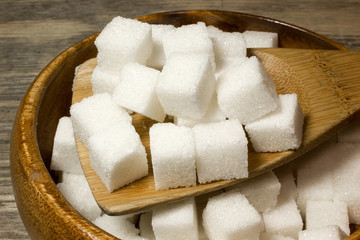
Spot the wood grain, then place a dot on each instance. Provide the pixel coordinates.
(34, 32)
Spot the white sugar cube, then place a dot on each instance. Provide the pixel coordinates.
(284, 219)
(279, 130)
(176, 221)
(260, 39)
(123, 40)
(346, 178)
(145, 227)
(103, 82)
(325, 213)
(227, 63)
(213, 114)
(350, 133)
(77, 192)
(246, 92)
(332, 232)
(273, 236)
(118, 156)
(157, 58)
(221, 151)
(192, 38)
(119, 226)
(261, 191)
(173, 156)
(136, 91)
(186, 85)
(226, 45)
(94, 114)
(230, 216)
(288, 187)
(64, 155)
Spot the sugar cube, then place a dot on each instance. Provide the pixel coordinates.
(77, 192)
(260, 39)
(261, 191)
(145, 227)
(118, 156)
(176, 221)
(283, 219)
(102, 81)
(123, 40)
(279, 130)
(136, 91)
(221, 151)
(287, 181)
(331, 232)
(230, 216)
(64, 155)
(213, 114)
(325, 213)
(119, 226)
(274, 236)
(246, 92)
(186, 85)
(94, 114)
(157, 58)
(173, 156)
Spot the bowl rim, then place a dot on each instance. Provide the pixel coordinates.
(27, 115)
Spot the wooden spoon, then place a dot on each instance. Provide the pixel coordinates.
(328, 86)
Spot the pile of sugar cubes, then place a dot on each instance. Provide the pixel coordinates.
(201, 76)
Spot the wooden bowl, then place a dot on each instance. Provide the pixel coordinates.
(44, 211)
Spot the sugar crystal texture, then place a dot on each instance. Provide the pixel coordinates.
(230, 216)
(221, 151)
(136, 91)
(102, 81)
(176, 221)
(64, 155)
(261, 191)
(119, 226)
(118, 156)
(325, 213)
(186, 85)
(123, 40)
(94, 114)
(77, 192)
(260, 39)
(157, 58)
(331, 232)
(145, 226)
(246, 92)
(173, 156)
(279, 130)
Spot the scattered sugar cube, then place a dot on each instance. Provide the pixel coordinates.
(94, 114)
(350, 133)
(325, 213)
(77, 192)
(260, 39)
(145, 227)
(332, 232)
(230, 216)
(272, 236)
(173, 156)
(261, 191)
(246, 92)
(287, 181)
(221, 151)
(347, 177)
(186, 85)
(123, 40)
(103, 82)
(118, 156)
(279, 130)
(213, 114)
(157, 58)
(176, 221)
(192, 38)
(284, 219)
(119, 226)
(136, 91)
(64, 155)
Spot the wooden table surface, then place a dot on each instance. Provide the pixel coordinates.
(33, 32)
